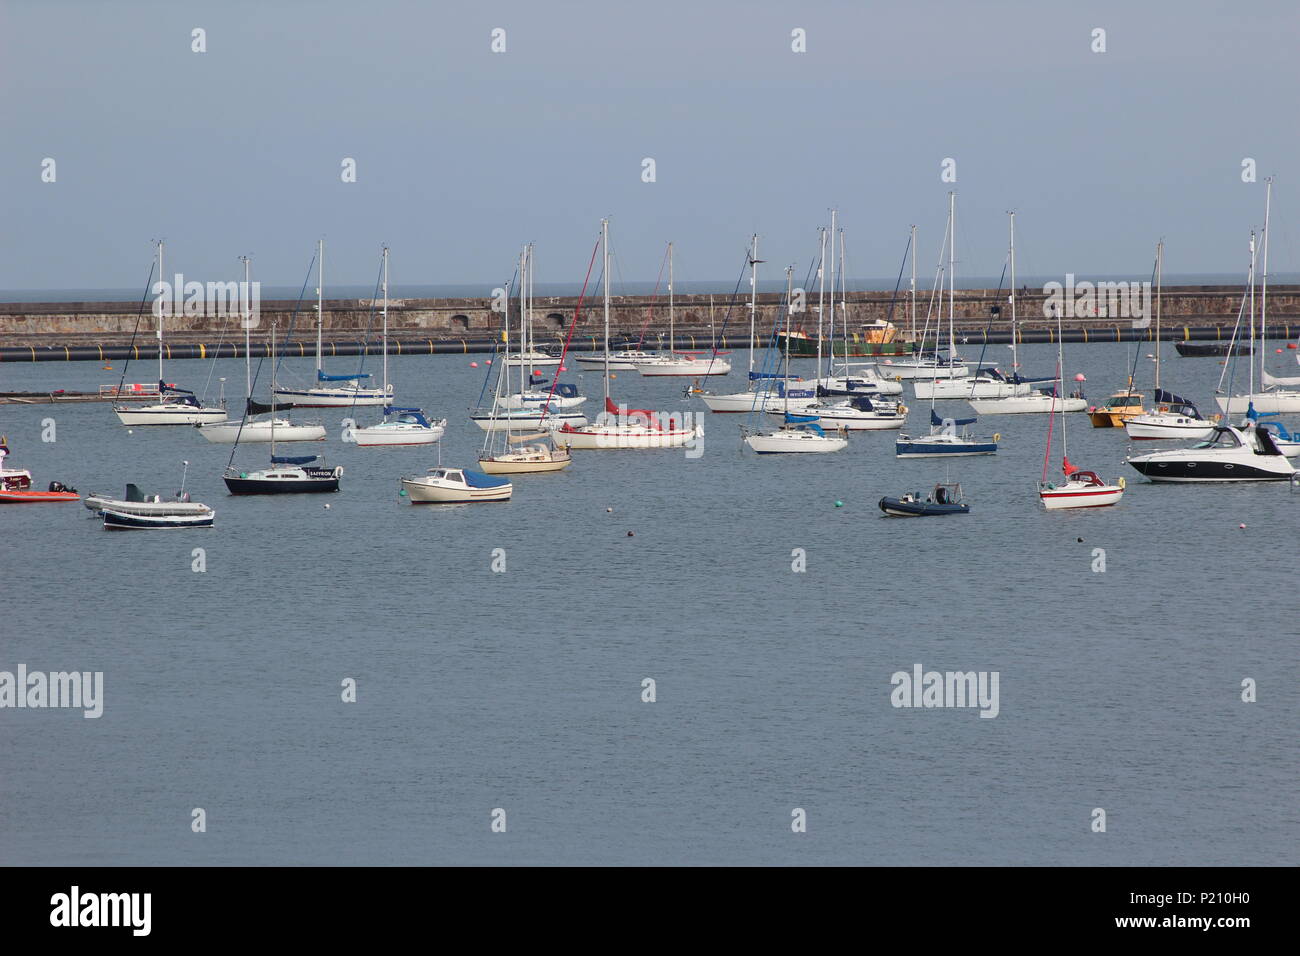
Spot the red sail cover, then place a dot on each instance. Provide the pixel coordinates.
(1068, 468)
(646, 415)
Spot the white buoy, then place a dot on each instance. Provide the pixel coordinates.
(327, 507)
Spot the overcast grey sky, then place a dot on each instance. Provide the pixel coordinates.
(462, 154)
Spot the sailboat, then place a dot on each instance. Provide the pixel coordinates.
(759, 391)
(619, 426)
(989, 381)
(286, 474)
(250, 429)
(1276, 393)
(1081, 489)
(332, 391)
(400, 426)
(1173, 417)
(178, 406)
(530, 453)
(680, 363)
(531, 409)
(944, 439)
(798, 434)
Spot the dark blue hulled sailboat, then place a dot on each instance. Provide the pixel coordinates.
(945, 441)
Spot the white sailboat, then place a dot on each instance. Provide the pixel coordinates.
(619, 427)
(178, 406)
(1081, 489)
(798, 433)
(1276, 394)
(1173, 417)
(249, 428)
(399, 426)
(332, 391)
(677, 363)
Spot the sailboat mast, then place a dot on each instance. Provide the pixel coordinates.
(821, 279)
(789, 281)
(604, 251)
(1263, 292)
(753, 294)
(1160, 269)
(160, 324)
(830, 363)
(913, 292)
(385, 323)
(1015, 363)
(1252, 313)
(952, 272)
(248, 360)
(672, 326)
(320, 302)
(1060, 383)
(523, 310)
(844, 312)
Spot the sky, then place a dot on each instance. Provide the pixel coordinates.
(463, 154)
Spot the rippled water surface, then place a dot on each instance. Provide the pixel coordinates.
(522, 690)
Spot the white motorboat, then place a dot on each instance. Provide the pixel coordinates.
(1172, 418)
(1249, 453)
(456, 486)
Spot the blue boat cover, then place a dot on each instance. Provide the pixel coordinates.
(862, 403)
(799, 419)
(1169, 398)
(755, 376)
(936, 420)
(164, 388)
(566, 390)
(411, 416)
(322, 377)
(476, 479)
(290, 460)
(1278, 427)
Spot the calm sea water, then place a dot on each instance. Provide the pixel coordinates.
(522, 690)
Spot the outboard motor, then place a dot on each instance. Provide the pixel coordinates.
(57, 486)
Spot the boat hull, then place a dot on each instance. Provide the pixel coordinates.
(309, 481)
(333, 397)
(778, 444)
(1264, 402)
(422, 493)
(1026, 405)
(1153, 427)
(168, 414)
(618, 437)
(897, 508)
(860, 346)
(525, 423)
(20, 497)
(921, 448)
(397, 434)
(1187, 471)
(122, 521)
(506, 466)
(684, 369)
(227, 433)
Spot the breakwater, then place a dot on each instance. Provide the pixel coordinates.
(101, 331)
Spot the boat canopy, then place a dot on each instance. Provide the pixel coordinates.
(476, 479)
(1276, 427)
(322, 377)
(410, 416)
(756, 376)
(293, 460)
(936, 420)
(184, 395)
(566, 390)
(1169, 398)
(862, 403)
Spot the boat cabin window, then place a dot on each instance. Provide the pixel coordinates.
(437, 473)
(454, 476)
(1222, 439)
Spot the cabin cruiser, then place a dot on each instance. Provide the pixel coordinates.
(1249, 453)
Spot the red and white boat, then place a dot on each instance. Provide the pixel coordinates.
(16, 485)
(622, 427)
(1082, 489)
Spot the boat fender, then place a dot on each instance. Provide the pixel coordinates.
(1121, 482)
(997, 437)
